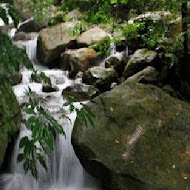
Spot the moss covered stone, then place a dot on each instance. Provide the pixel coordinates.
(9, 117)
(141, 139)
(139, 61)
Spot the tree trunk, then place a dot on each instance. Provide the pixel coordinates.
(184, 14)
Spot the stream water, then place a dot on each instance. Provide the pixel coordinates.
(64, 169)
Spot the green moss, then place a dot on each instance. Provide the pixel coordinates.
(9, 117)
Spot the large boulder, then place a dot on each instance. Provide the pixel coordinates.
(100, 77)
(78, 59)
(52, 41)
(140, 139)
(92, 36)
(10, 117)
(140, 60)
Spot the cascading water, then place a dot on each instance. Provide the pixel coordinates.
(114, 52)
(64, 169)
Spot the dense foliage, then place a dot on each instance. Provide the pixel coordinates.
(11, 58)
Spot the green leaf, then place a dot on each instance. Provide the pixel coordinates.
(23, 142)
(3, 15)
(42, 161)
(20, 157)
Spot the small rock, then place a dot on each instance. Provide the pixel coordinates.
(21, 36)
(100, 77)
(80, 92)
(16, 79)
(116, 63)
(48, 88)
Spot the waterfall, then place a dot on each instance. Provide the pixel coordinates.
(64, 169)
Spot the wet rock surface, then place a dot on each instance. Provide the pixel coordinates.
(140, 140)
(100, 77)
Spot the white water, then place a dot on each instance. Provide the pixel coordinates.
(114, 53)
(64, 169)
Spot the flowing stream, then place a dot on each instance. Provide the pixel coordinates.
(64, 169)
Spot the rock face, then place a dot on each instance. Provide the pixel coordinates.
(78, 59)
(53, 41)
(140, 60)
(91, 36)
(141, 139)
(9, 117)
(100, 77)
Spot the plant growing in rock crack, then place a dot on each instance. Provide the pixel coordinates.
(39, 76)
(102, 47)
(78, 29)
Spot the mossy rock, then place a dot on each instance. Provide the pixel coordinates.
(139, 61)
(101, 78)
(10, 117)
(141, 139)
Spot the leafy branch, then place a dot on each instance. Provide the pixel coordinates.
(43, 126)
(85, 114)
